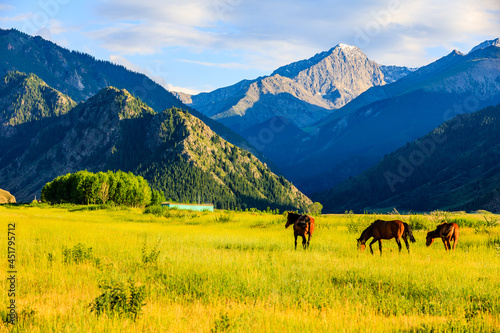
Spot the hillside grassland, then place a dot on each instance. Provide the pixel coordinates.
(238, 272)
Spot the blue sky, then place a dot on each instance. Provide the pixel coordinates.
(196, 45)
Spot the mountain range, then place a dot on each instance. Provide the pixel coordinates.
(113, 130)
(454, 167)
(80, 76)
(338, 113)
(302, 92)
(321, 121)
(385, 118)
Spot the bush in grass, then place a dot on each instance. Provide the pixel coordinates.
(156, 210)
(419, 222)
(357, 223)
(223, 218)
(466, 222)
(77, 254)
(119, 299)
(150, 258)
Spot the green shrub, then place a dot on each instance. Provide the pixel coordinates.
(78, 254)
(357, 223)
(223, 218)
(120, 300)
(156, 210)
(151, 257)
(419, 222)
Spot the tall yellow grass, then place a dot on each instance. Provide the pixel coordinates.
(243, 275)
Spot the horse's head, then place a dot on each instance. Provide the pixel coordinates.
(292, 217)
(361, 244)
(429, 239)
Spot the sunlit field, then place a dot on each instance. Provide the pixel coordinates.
(239, 272)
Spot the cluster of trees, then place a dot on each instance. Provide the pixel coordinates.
(85, 188)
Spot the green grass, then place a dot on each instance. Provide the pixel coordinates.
(238, 272)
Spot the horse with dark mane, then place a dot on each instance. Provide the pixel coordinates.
(303, 225)
(447, 232)
(386, 230)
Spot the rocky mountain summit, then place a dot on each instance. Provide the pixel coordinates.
(25, 98)
(485, 44)
(337, 76)
(387, 117)
(302, 92)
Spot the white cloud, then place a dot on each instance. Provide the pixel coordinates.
(268, 34)
(189, 91)
(155, 74)
(16, 18)
(213, 64)
(6, 7)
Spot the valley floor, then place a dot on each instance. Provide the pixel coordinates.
(238, 271)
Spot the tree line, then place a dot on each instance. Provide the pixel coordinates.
(84, 188)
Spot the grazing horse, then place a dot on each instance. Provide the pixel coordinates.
(447, 232)
(386, 230)
(303, 225)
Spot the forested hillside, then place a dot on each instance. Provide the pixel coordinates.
(175, 151)
(81, 76)
(454, 167)
(24, 98)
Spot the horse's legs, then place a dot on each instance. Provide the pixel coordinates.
(406, 243)
(399, 244)
(296, 241)
(380, 246)
(304, 243)
(373, 241)
(444, 243)
(309, 240)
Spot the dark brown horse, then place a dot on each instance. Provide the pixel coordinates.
(447, 232)
(303, 225)
(386, 230)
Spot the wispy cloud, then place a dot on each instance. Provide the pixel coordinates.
(213, 64)
(230, 39)
(270, 33)
(155, 73)
(6, 7)
(16, 18)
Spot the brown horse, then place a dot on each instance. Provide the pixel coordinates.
(447, 232)
(386, 230)
(303, 225)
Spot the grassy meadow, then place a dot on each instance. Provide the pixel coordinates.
(239, 272)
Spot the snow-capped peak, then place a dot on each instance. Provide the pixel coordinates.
(346, 47)
(485, 44)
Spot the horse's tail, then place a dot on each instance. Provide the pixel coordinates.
(408, 232)
(311, 224)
